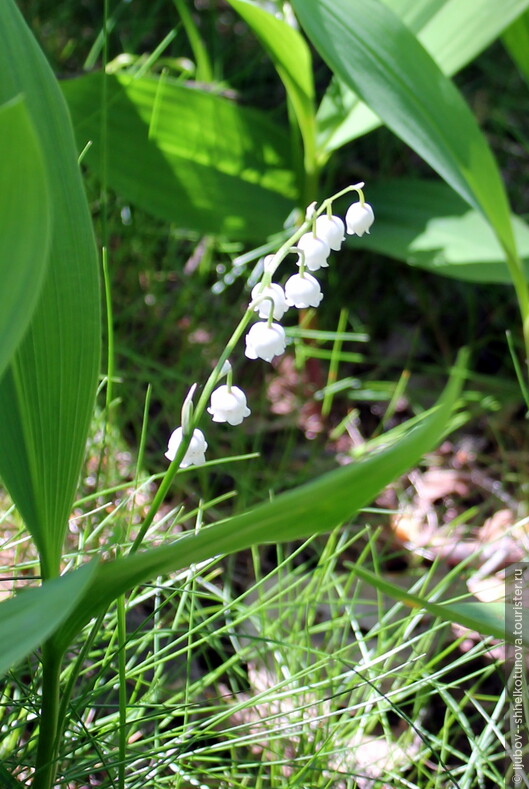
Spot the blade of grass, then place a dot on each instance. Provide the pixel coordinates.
(204, 71)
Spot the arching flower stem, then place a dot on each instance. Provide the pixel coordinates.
(199, 409)
(327, 204)
(308, 224)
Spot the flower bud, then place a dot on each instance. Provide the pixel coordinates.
(274, 292)
(303, 291)
(316, 251)
(195, 454)
(228, 404)
(265, 342)
(359, 218)
(331, 229)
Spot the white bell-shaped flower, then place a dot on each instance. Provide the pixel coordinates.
(303, 290)
(331, 229)
(228, 404)
(359, 218)
(265, 342)
(316, 251)
(274, 292)
(195, 454)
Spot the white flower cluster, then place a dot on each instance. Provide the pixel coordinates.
(266, 338)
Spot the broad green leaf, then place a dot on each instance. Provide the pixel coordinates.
(453, 32)
(32, 616)
(313, 508)
(426, 224)
(187, 155)
(292, 60)
(24, 224)
(516, 41)
(342, 116)
(486, 618)
(416, 13)
(460, 31)
(47, 393)
(376, 55)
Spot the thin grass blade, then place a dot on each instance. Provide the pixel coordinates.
(486, 618)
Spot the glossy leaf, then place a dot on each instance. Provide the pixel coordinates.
(342, 116)
(454, 33)
(405, 87)
(187, 155)
(460, 31)
(292, 59)
(24, 224)
(28, 619)
(47, 393)
(313, 508)
(426, 224)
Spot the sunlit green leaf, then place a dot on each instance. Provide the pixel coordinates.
(426, 224)
(186, 155)
(453, 32)
(47, 393)
(24, 224)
